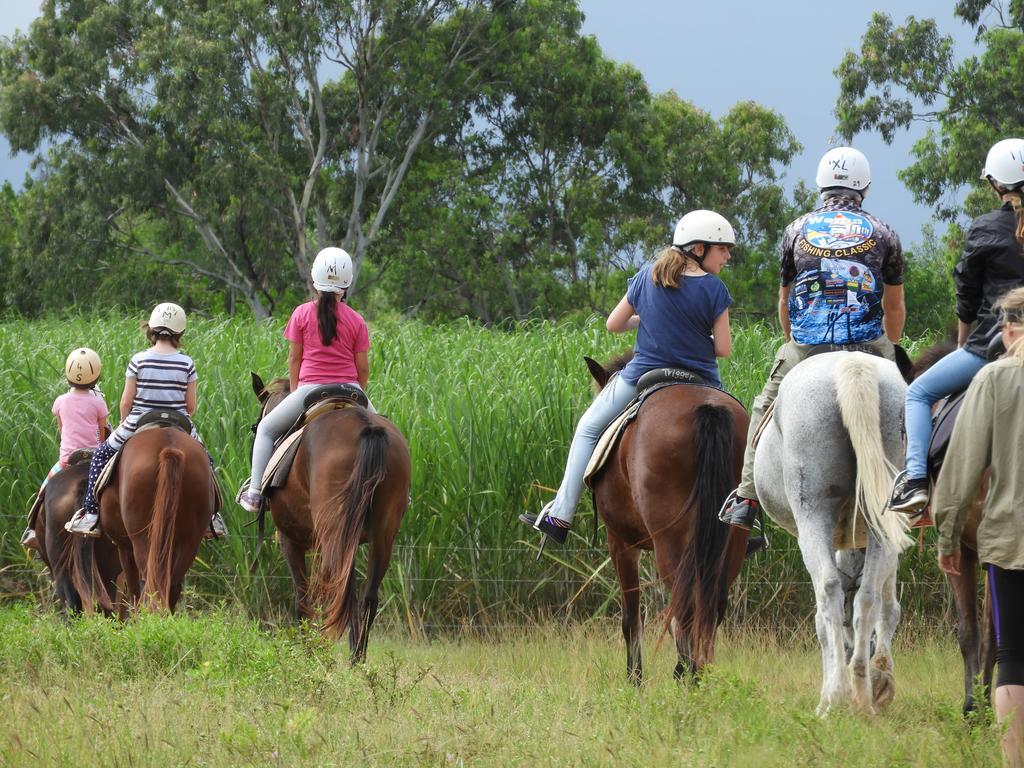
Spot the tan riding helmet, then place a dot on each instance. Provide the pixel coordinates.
(82, 367)
(169, 316)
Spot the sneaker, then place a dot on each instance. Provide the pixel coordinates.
(738, 511)
(250, 501)
(555, 529)
(909, 494)
(217, 529)
(29, 540)
(84, 524)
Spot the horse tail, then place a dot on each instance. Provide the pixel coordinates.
(160, 558)
(859, 404)
(338, 524)
(77, 568)
(701, 589)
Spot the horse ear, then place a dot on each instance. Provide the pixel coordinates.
(597, 371)
(258, 386)
(903, 363)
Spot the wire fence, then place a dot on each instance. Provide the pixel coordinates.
(459, 588)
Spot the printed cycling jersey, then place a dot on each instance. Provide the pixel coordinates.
(836, 258)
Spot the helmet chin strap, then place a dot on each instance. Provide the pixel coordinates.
(690, 254)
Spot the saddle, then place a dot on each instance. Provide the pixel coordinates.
(322, 400)
(651, 382)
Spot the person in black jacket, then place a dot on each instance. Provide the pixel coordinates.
(992, 263)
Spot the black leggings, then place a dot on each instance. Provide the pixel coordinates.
(1007, 590)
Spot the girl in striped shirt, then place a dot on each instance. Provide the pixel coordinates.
(161, 377)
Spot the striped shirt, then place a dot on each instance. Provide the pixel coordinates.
(161, 382)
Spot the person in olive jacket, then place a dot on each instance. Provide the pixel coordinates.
(991, 264)
(988, 434)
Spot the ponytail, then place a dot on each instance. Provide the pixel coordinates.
(1018, 209)
(669, 267)
(326, 317)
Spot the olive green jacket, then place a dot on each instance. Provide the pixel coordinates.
(989, 432)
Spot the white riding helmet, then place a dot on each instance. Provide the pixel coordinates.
(1005, 163)
(169, 316)
(82, 367)
(703, 227)
(843, 167)
(332, 270)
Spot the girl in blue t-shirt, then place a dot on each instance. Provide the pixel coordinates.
(684, 308)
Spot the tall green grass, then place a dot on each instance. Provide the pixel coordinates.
(488, 415)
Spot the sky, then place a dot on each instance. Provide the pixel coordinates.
(714, 54)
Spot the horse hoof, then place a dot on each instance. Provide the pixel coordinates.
(883, 687)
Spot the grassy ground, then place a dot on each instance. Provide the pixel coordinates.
(214, 689)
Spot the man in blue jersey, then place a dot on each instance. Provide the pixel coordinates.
(842, 288)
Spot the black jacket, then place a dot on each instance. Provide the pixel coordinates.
(992, 263)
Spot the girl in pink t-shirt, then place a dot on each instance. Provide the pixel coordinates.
(81, 418)
(328, 345)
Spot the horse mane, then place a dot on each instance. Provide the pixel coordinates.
(277, 385)
(933, 354)
(618, 362)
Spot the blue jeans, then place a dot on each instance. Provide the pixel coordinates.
(606, 406)
(951, 374)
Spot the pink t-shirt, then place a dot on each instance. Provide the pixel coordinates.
(80, 412)
(335, 363)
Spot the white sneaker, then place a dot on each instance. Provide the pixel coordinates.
(250, 501)
(29, 540)
(83, 524)
(220, 530)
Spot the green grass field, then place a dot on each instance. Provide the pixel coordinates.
(220, 690)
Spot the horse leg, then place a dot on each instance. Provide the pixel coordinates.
(378, 559)
(626, 560)
(816, 548)
(987, 655)
(669, 559)
(866, 618)
(850, 563)
(295, 556)
(131, 579)
(965, 597)
(883, 685)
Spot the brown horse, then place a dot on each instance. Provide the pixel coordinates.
(661, 490)
(156, 510)
(348, 484)
(78, 566)
(976, 638)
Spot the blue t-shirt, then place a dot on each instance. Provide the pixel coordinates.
(675, 324)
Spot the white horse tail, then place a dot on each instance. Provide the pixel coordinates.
(859, 404)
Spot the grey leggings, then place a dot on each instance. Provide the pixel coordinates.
(606, 406)
(274, 424)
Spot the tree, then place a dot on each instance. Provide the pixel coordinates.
(213, 118)
(906, 74)
(568, 174)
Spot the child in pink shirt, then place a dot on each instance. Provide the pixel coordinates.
(328, 344)
(81, 418)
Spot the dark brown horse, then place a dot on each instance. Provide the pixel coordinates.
(661, 490)
(156, 510)
(348, 484)
(78, 566)
(976, 638)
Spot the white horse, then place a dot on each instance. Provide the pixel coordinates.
(823, 469)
